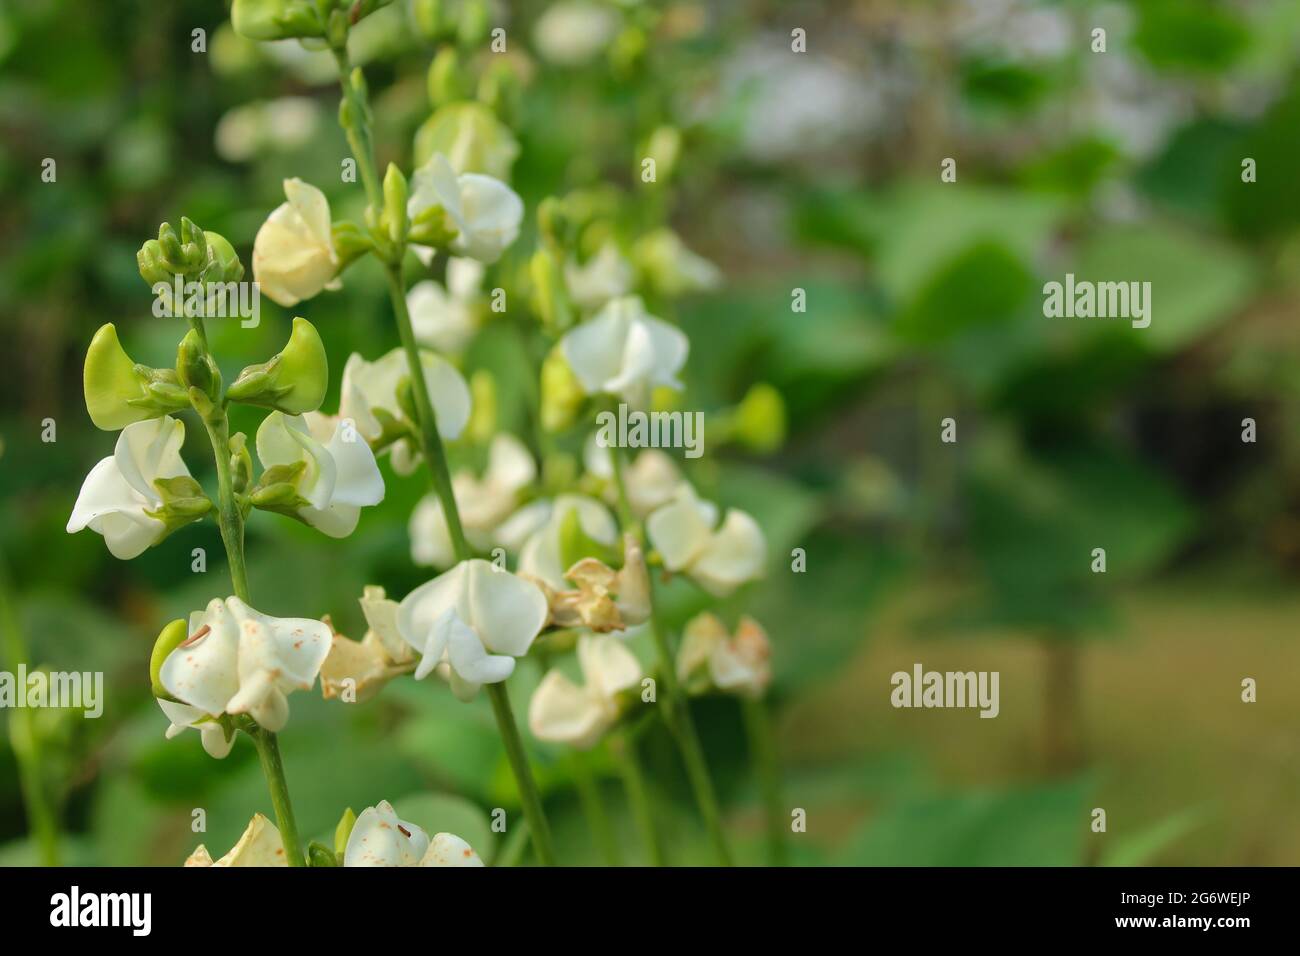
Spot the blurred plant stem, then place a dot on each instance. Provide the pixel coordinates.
(762, 747)
(677, 713)
(623, 746)
(230, 518)
(593, 808)
(1061, 703)
(356, 126)
(42, 819)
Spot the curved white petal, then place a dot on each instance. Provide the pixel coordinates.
(447, 849)
(505, 611)
(204, 670)
(678, 531)
(563, 712)
(492, 212)
(608, 667)
(380, 838)
(734, 554)
(293, 252)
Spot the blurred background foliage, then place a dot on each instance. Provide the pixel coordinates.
(817, 171)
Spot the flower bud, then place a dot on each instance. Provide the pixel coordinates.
(562, 394)
(445, 80)
(471, 136)
(431, 20)
(170, 244)
(759, 420)
(275, 19)
(150, 261)
(222, 264)
(396, 194)
(475, 21)
(293, 381)
(483, 407)
(116, 389)
(550, 297)
(170, 637)
(318, 854)
(241, 463)
(344, 830)
(197, 371)
(350, 242)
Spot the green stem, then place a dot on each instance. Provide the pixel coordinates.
(625, 753)
(268, 751)
(677, 713)
(356, 126)
(593, 808)
(42, 819)
(230, 519)
(528, 795)
(762, 747)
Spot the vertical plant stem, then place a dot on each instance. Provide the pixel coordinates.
(268, 751)
(528, 795)
(593, 808)
(677, 713)
(356, 125)
(230, 519)
(762, 747)
(623, 746)
(42, 819)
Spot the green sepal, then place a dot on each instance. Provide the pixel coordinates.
(171, 636)
(343, 831)
(318, 854)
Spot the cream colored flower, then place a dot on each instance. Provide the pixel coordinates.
(626, 352)
(446, 319)
(380, 838)
(259, 846)
(604, 599)
(485, 211)
(709, 656)
(686, 534)
(293, 253)
(534, 532)
(564, 712)
(652, 478)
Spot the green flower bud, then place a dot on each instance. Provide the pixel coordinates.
(483, 407)
(395, 196)
(222, 264)
(183, 502)
(112, 383)
(665, 146)
(431, 19)
(241, 463)
(275, 19)
(171, 636)
(576, 544)
(150, 259)
(550, 297)
(350, 243)
(172, 252)
(759, 421)
(196, 370)
(194, 246)
(293, 381)
(445, 82)
(344, 830)
(562, 394)
(318, 854)
(475, 22)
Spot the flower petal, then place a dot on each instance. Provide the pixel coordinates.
(447, 849)
(380, 838)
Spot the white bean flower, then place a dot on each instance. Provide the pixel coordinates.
(626, 352)
(357, 670)
(564, 712)
(184, 717)
(260, 845)
(380, 838)
(240, 661)
(606, 275)
(369, 398)
(710, 657)
(476, 619)
(483, 503)
(334, 473)
(688, 538)
(119, 498)
(446, 319)
(652, 478)
(485, 211)
(534, 532)
(293, 253)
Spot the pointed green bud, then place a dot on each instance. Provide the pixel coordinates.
(475, 22)
(194, 246)
(318, 854)
(150, 260)
(241, 463)
(445, 79)
(431, 20)
(170, 244)
(293, 381)
(195, 368)
(562, 394)
(116, 388)
(275, 19)
(759, 421)
(222, 264)
(344, 830)
(395, 196)
(576, 544)
(483, 407)
(171, 637)
(550, 297)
